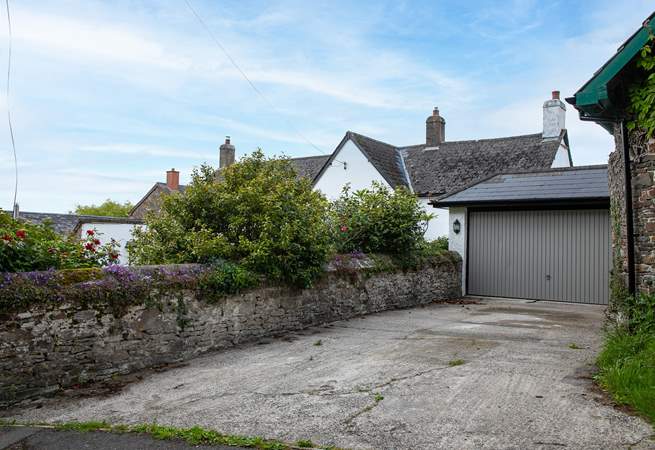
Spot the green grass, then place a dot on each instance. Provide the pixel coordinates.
(305, 443)
(378, 397)
(627, 370)
(456, 362)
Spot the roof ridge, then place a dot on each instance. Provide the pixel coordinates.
(373, 139)
(309, 157)
(408, 147)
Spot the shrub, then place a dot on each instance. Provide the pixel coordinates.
(29, 247)
(378, 220)
(259, 215)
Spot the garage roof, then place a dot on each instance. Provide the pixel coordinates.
(583, 184)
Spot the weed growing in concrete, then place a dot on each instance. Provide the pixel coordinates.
(574, 346)
(305, 443)
(378, 397)
(456, 362)
(318, 343)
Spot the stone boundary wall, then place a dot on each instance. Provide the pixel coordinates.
(643, 201)
(53, 347)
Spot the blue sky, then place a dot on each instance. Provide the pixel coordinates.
(109, 95)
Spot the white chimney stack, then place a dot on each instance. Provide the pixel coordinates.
(554, 117)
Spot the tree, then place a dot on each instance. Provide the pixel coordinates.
(260, 215)
(107, 208)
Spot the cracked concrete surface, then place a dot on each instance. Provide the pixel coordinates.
(521, 386)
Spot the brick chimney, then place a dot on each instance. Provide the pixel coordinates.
(435, 129)
(554, 117)
(226, 153)
(173, 179)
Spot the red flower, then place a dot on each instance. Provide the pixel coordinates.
(21, 234)
(113, 256)
(90, 232)
(51, 250)
(96, 241)
(343, 228)
(6, 238)
(88, 245)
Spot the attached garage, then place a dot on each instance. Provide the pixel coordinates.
(539, 235)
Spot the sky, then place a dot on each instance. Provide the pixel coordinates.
(107, 96)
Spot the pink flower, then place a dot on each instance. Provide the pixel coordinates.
(343, 228)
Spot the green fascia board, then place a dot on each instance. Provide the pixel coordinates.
(592, 98)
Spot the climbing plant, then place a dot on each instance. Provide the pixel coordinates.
(642, 93)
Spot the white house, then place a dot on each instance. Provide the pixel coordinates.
(431, 169)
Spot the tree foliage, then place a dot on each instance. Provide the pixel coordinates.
(260, 215)
(379, 220)
(107, 208)
(642, 92)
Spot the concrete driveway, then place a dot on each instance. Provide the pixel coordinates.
(394, 381)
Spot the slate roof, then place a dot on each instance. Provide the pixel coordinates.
(584, 183)
(309, 166)
(453, 165)
(65, 224)
(385, 157)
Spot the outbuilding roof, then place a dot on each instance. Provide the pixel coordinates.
(65, 224)
(571, 184)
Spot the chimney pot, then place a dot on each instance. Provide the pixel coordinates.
(555, 95)
(226, 153)
(173, 179)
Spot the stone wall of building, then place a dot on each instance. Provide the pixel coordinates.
(642, 154)
(51, 347)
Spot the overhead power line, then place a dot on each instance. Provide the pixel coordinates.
(11, 128)
(252, 85)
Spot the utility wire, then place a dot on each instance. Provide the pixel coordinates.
(252, 85)
(11, 128)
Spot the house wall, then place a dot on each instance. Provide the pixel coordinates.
(121, 232)
(561, 157)
(438, 226)
(458, 242)
(358, 172)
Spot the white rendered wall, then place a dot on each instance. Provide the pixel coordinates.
(438, 226)
(458, 242)
(120, 232)
(562, 157)
(359, 172)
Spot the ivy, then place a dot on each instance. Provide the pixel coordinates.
(642, 93)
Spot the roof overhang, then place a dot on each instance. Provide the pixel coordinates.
(596, 100)
(588, 202)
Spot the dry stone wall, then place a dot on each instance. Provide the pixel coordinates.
(55, 346)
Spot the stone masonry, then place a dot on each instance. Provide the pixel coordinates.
(643, 197)
(52, 347)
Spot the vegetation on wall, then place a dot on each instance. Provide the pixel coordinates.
(28, 247)
(107, 208)
(642, 93)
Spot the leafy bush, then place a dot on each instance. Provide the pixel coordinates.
(28, 247)
(642, 91)
(260, 215)
(378, 220)
(225, 279)
(107, 208)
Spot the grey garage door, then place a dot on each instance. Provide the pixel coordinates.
(561, 255)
